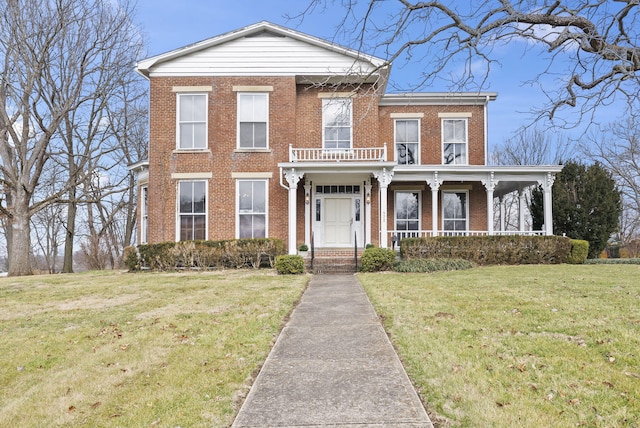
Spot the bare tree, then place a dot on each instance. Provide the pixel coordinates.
(617, 148)
(53, 54)
(594, 42)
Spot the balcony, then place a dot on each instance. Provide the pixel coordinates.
(369, 154)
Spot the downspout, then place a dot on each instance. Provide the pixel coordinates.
(281, 182)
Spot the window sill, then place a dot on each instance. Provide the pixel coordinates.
(252, 151)
(191, 151)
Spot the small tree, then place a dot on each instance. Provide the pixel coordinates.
(586, 205)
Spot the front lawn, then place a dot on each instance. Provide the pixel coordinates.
(136, 350)
(507, 346)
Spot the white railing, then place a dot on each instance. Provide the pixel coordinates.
(401, 234)
(378, 154)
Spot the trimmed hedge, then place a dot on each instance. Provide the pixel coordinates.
(289, 265)
(613, 262)
(377, 259)
(579, 252)
(431, 265)
(490, 250)
(235, 253)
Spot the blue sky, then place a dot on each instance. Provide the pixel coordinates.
(168, 24)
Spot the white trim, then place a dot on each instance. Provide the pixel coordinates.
(206, 121)
(191, 175)
(266, 205)
(406, 115)
(144, 214)
(192, 89)
(239, 95)
(419, 142)
(467, 217)
(250, 175)
(206, 207)
(454, 115)
(252, 89)
(325, 95)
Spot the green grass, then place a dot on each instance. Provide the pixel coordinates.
(134, 350)
(518, 346)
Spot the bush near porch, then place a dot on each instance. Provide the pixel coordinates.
(234, 253)
(496, 250)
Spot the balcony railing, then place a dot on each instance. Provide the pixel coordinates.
(369, 154)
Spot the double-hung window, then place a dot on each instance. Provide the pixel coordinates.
(455, 211)
(253, 114)
(407, 141)
(192, 210)
(192, 121)
(144, 214)
(407, 211)
(454, 141)
(336, 123)
(252, 208)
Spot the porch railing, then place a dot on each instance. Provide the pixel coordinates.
(396, 235)
(376, 154)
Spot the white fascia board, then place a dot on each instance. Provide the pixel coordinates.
(437, 98)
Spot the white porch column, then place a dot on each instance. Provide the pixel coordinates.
(384, 178)
(521, 208)
(307, 213)
(503, 215)
(367, 204)
(292, 177)
(490, 185)
(548, 203)
(434, 183)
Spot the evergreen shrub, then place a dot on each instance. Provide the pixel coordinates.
(289, 264)
(579, 252)
(377, 259)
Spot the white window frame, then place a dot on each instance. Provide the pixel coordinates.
(266, 206)
(240, 121)
(456, 144)
(407, 233)
(326, 102)
(417, 143)
(467, 219)
(179, 213)
(180, 121)
(144, 214)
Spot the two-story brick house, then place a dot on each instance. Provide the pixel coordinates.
(268, 132)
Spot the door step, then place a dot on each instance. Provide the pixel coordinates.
(333, 260)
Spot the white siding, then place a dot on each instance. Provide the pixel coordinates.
(264, 56)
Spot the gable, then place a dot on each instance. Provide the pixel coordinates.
(261, 50)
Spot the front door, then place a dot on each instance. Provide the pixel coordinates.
(338, 221)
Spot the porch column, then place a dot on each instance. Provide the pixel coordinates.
(384, 178)
(490, 184)
(367, 204)
(521, 207)
(434, 183)
(292, 177)
(503, 210)
(548, 203)
(307, 213)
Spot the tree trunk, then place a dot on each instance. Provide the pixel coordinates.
(72, 208)
(20, 251)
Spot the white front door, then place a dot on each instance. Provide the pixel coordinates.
(338, 222)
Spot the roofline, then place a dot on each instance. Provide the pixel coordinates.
(433, 98)
(139, 166)
(144, 66)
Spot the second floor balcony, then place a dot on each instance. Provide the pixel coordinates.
(366, 154)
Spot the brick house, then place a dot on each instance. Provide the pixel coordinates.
(268, 132)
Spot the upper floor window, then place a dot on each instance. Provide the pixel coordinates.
(407, 141)
(192, 121)
(192, 210)
(336, 123)
(252, 208)
(454, 141)
(253, 114)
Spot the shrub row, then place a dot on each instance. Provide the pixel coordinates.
(613, 262)
(236, 253)
(493, 250)
(431, 265)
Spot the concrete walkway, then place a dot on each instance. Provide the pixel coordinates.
(333, 366)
